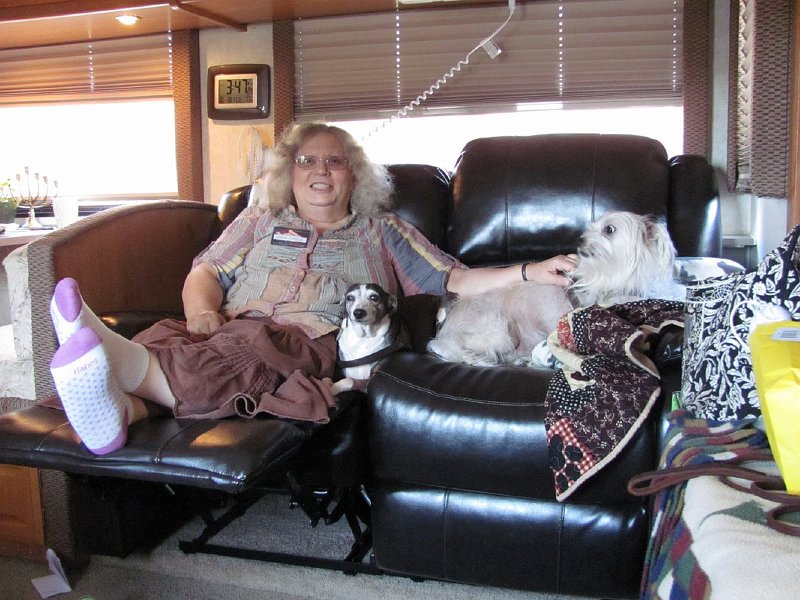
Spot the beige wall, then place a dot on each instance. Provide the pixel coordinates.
(225, 142)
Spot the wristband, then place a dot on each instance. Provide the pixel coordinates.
(524, 270)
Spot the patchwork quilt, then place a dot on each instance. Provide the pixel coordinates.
(606, 386)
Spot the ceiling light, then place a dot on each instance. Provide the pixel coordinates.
(128, 19)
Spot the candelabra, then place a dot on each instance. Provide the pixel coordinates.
(34, 192)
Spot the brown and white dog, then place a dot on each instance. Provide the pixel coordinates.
(622, 257)
(370, 331)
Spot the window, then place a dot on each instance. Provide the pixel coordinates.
(106, 149)
(444, 136)
(591, 66)
(98, 117)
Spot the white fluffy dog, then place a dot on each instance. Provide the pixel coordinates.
(621, 257)
(624, 256)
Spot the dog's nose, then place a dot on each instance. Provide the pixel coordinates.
(359, 314)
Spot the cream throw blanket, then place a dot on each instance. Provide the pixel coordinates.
(742, 557)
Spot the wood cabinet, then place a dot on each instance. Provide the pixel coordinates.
(21, 524)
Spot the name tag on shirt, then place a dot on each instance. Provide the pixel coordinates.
(294, 238)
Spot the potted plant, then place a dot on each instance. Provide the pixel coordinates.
(8, 203)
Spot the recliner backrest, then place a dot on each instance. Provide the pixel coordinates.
(529, 197)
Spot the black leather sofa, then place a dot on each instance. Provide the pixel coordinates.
(453, 457)
(461, 487)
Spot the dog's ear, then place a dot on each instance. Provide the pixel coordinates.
(661, 245)
(391, 302)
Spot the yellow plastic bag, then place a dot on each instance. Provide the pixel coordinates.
(775, 348)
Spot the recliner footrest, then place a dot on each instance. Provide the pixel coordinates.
(236, 456)
(230, 455)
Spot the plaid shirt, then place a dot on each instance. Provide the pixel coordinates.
(279, 266)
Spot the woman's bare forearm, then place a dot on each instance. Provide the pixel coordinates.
(552, 271)
(202, 299)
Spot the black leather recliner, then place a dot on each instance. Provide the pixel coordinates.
(461, 485)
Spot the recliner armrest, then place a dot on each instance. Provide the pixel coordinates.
(132, 257)
(128, 258)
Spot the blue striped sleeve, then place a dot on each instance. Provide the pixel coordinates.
(420, 266)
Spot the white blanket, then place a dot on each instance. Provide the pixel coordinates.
(742, 557)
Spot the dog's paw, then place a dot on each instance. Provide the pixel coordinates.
(445, 304)
(343, 385)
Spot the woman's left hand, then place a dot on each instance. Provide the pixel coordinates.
(552, 271)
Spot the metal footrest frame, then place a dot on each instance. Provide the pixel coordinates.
(327, 505)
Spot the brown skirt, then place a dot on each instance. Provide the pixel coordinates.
(246, 367)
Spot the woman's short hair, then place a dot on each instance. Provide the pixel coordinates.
(372, 184)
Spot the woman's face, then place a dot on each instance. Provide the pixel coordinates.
(319, 189)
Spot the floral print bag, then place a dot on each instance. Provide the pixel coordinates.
(718, 382)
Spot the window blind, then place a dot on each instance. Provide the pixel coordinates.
(741, 116)
(104, 70)
(759, 111)
(359, 66)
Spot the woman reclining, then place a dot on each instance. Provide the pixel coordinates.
(263, 302)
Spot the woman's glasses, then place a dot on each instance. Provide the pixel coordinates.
(334, 163)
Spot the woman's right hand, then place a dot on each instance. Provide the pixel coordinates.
(202, 299)
(204, 323)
